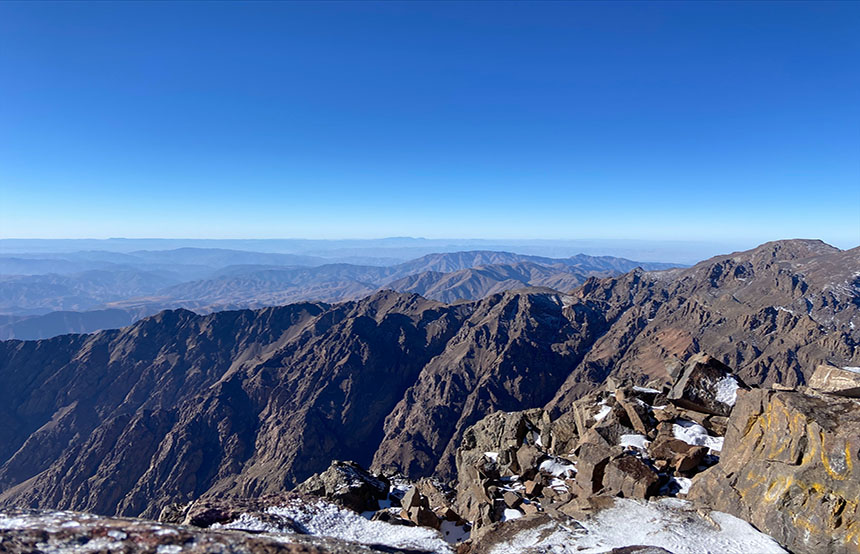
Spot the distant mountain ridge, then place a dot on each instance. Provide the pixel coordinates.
(253, 401)
(234, 279)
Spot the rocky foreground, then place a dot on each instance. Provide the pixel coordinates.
(705, 465)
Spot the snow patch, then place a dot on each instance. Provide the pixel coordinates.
(667, 523)
(639, 442)
(852, 369)
(646, 389)
(328, 520)
(492, 456)
(604, 411)
(558, 467)
(696, 435)
(727, 390)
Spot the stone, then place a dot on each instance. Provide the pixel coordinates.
(691, 460)
(533, 487)
(630, 477)
(423, 516)
(413, 499)
(666, 448)
(638, 413)
(835, 380)
(528, 457)
(591, 462)
(388, 517)
(706, 385)
(789, 466)
(512, 499)
(348, 484)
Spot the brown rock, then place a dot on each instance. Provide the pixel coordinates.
(630, 477)
(591, 462)
(637, 412)
(692, 459)
(512, 500)
(533, 487)
(706, 385)
(423, 516)
(834, 380)
(528, 457)
(789, 466)
(665, 448)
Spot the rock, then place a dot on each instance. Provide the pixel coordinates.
(533, 487)
(173, 513)
(789, 465)
(839, 381)
(706, 385)
(529, 509)
(348, 484)
(388, 517)
(512, 499)
(414, 499)
(591, 462)
(637, 411)
(630, 477)
(692, 459)
(528, 457)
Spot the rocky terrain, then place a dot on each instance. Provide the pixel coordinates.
(248, 403)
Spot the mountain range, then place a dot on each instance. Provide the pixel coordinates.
(206, 280)
(253, 401)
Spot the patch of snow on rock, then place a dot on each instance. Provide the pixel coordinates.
(696, 435)
(667, 523)
(727, 390)
(492, 456)
(558, 467)
(604, 411)
(639, 442)
(852, 369)
(510, 514)
(328, 520)
(646, 389)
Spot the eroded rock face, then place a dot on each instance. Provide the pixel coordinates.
(790, 467)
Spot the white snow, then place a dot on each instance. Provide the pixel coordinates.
(852, 369)
(727, 390)
(667, 523)
(683, 484)
(646, 389)
(494, 456)
(558, 467)
(454, 533)
(510, 514)
(693, 433)
(604, 411)
(328, 520)
(639, 442)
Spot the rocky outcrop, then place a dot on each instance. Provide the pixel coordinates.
(349, 485)
(844, 381)
(706, 385)
(790, 467)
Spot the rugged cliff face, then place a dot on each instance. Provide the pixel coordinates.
(252, 402)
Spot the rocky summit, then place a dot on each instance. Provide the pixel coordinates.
(721, 397)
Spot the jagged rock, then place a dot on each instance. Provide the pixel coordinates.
(591, 462)
(512, 500)
(691, 460)
(630, 477)
(789, 466)
(421, 515)
(668, 448)
(528, 457)
(348, 484)
(414, 499)
(534, 486)
(835, 380)
(638, 413)
(388, 517)
(706, 385)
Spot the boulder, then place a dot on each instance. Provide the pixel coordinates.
(706, 385)
(835, 380)
(349, 485)
(630, 477)
(591, 462)
(789, 465)
(692, 459)
(638, 413)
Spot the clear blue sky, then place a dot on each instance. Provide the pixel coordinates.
(675, 120)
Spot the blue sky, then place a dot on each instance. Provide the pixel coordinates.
(718, 121)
